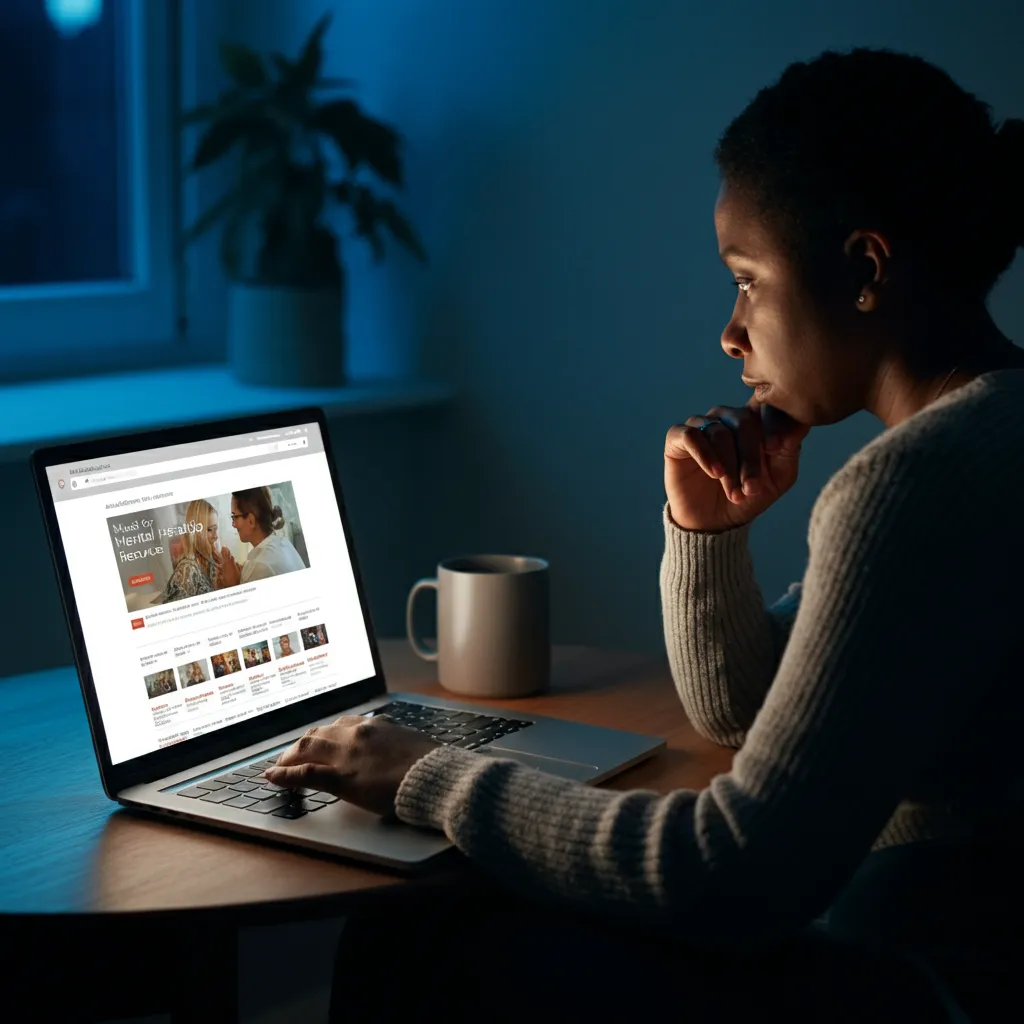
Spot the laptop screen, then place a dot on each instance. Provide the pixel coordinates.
(213, 583)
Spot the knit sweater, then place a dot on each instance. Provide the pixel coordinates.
(872, 705)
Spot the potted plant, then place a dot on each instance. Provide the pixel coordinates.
(298, 156)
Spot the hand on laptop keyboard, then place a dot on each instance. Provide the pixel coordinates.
(288, 796)
(245, 789)
(362, 760)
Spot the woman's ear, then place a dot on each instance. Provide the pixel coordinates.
(868, 255)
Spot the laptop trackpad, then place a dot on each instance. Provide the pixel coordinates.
(551, 765)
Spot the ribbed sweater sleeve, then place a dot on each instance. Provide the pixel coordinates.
(723, 644)
(862, 699)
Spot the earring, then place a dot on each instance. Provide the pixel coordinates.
(861, 299)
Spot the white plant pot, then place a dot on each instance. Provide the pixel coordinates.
(286, 337)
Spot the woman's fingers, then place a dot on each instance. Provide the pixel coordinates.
(729, 449)
(311, 747)
(687, 441)
(305, 776)
(750, 440)
(719, 436)
(741, 436)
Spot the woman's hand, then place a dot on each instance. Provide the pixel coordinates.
(361, 760)
(725, 476)
(229, 573)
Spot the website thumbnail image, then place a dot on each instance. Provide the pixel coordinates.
(263, 668)
(208, 544)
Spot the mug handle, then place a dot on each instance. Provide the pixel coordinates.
(424, 652)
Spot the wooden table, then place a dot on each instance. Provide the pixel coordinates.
(66, 851)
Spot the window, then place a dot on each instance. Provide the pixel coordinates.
(86, 183)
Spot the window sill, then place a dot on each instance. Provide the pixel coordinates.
(37, 413)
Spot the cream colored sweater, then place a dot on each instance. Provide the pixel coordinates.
(876, 703)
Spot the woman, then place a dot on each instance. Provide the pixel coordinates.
(255, 516)
(194, 674)
(197, 567)
(860, 860)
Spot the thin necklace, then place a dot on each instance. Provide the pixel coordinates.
(949, 377)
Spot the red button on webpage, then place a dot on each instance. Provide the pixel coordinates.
(138, 623)
(141, 581)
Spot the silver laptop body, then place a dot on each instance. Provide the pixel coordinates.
(187, 693)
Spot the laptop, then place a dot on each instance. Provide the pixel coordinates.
(217, 611)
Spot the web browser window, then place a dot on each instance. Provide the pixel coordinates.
(213, 583)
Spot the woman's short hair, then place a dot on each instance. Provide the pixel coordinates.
(876, 139)
(259, 502)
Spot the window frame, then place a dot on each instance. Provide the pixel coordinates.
(143, 324)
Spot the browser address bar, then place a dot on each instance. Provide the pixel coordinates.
(115, 476)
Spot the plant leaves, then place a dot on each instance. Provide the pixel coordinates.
(307, 68)
(218, 139)
(271, 218)
(380, 150)
(285, 68)
(297, 252)
(296, 78)
(295, 248)
(339, 120)
(209, 217)
(254, 125)
(360, 139)
(369, 213)
(240, 199)
(244, 66)
(401, 229)
(366, 216)
(303, 198)
(230, 101)
(324, 254)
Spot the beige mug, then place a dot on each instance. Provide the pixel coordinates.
(493, 625)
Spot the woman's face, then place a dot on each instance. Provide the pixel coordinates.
(212, 530)
(815, 370)
(242, 523)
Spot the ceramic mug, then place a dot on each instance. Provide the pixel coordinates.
(493, 625)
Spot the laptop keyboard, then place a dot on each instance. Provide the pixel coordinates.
(244, 789)
(464, 729)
